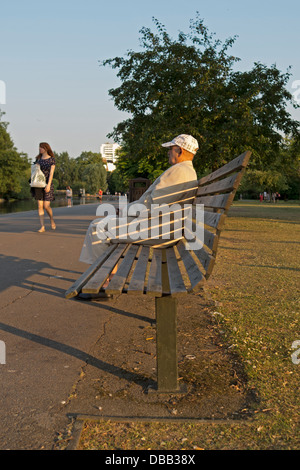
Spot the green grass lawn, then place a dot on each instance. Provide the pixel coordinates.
(255, 286)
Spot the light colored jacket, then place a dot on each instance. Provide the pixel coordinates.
(173, 185)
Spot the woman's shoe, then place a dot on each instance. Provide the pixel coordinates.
(53, 226)
(42, 229)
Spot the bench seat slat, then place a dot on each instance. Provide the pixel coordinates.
(195, 275)
(177, 286)
(95, 283)
(118, 281)
(75, 289)
(137, 282)
(154, 286)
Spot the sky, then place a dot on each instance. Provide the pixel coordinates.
(53, 89)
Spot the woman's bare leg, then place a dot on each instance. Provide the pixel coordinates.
(41, 215)
(50, 213)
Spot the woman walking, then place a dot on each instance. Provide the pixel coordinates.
(44, 196)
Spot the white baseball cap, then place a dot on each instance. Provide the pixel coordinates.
(184, 141)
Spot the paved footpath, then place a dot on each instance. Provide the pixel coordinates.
(47, 337)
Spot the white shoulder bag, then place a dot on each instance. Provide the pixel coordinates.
(38, 179)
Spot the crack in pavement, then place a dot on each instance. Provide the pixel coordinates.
(18, 298)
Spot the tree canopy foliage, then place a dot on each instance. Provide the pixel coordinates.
(283, 175)
(14, 166)
(86, 171)
(189, 85)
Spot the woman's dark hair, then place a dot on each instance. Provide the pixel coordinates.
(47, 147)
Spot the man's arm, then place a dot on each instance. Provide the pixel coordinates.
(175, 185)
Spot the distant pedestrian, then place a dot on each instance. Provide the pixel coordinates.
(44, 196)
(261, 197)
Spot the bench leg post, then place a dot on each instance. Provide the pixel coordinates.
(166, 344)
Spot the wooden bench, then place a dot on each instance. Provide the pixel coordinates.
(166, 273)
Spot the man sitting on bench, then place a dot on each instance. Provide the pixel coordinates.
(174, 185)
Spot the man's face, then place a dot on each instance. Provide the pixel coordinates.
(174, 154)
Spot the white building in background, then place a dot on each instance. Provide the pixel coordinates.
(108, 152)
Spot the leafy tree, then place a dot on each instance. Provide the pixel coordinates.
(257, 181)
(282, 175)
(13, 165)
(74, 172)
(65, 169)
(86, 158)
(290, 154)
(94, 175)
(23, 188)
(116, 182)
(188, 86)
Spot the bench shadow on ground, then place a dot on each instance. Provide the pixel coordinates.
(21, 269)
(64, 348)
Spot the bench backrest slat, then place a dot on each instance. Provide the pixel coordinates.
(220, 201)
(211, 219)
(206, 259)
(210, 239)
(237, 164)
(220, 186)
